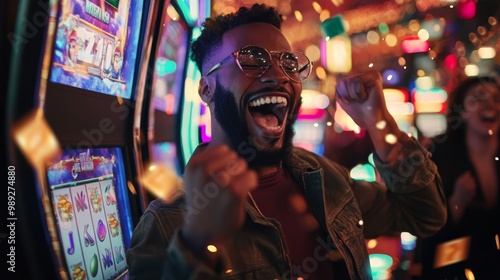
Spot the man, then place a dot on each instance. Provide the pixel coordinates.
(255, 207)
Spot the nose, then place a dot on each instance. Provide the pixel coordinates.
(275, 74)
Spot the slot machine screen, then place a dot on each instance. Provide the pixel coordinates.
(96, 45)
(90, 202)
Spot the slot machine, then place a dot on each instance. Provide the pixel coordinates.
(73, 85)
(172, 96)
(169, 57)
(192, 107)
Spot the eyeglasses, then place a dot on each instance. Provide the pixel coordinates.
(254, 62)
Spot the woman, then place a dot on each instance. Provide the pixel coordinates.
(467, 156)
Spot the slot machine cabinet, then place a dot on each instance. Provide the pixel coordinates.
(157, 121)
(165, 121)
(20, 98)
(80, 71)
(195, 11)
(167, 88)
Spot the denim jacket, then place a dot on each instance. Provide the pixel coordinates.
(412, 200)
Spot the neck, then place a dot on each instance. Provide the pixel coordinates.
(481, 143)
(266, 170)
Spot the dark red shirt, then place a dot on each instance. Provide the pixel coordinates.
(279, 197)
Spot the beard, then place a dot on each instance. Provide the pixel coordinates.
(235, 127)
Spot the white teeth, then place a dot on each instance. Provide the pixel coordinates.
(268, 100)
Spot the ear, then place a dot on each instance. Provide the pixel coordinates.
(206, 89)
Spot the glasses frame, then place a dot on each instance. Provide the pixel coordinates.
(236, 53)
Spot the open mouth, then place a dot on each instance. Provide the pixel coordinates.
(489, 116)
(269, 112)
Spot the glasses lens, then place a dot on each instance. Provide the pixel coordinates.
(254, 61)
(296, 65)
(290, 64)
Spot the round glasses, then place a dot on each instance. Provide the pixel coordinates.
(254, 62)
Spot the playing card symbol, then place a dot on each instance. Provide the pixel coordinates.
(88, 238)
(106, 259)
(81, 204)
(110, 195)
(119, 254)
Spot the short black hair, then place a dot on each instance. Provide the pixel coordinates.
(213, 29)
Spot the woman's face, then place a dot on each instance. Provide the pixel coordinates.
(482, 109)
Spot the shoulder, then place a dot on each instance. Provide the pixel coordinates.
(160, 205)
(310, 160)
(169, 215)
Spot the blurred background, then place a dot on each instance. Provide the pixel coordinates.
(101, 109)
(422, 48)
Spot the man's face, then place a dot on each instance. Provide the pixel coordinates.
(265, 107)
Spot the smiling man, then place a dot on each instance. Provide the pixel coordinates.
(254, 206)
(254, 118)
